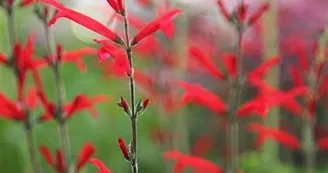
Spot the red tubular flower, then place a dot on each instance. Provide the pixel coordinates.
(83, 102)
(270, 97)
(282, 137)
(197, 163)
(296, 76)
(205, 61)
(263, 68)
(145, 104)
(224, 10)
(199, 95)
(230, 63)
(114, 5)
(74, 56)
(3, 59)
(124, 148)
(82, 20)
(59, 165)
(47, 155)
(302, 60)
(11, 110)
(124, 104)
(163, 22)
(323, 87)
(121, 63)
(259, 13)
(242, 12)
(86, 153)
(120, 4)
(100, 165)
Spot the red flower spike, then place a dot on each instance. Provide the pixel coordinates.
(197, 94)
(283, 137)
(296, 76)
(100, 165)
(197, 163)
(47, 155)
(224, 10)
(82, 20)
(302, 60)
(230, 62)
(124, 148)
(145, 104)
(205, 61)
(113, 4)
(323, 144)
(258, 14)
(86, 153)
(163, 22)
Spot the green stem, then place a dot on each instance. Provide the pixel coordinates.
(31, 148)
(133, 117)
(63, 128)
(11, 28)
(309, 146)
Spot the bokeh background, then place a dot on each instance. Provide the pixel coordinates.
(293, 22)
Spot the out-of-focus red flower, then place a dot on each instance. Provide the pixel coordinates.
(262, 69)
(205, 62)
(241, 13)
(269, 97)
(199, 95)
(82, 20)
(230, 63)
(202, 146)
(265, 133)
(58, 164)
(25, 3)
(81, 102)
(144, 3)
(323, 143)
(160, 89)
(74, 56)
(22, 63)
(163, 22)
(196, 163)
(100, 165)
(258, 14)
(16, 111)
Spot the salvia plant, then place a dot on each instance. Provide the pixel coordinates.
(171, 83)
